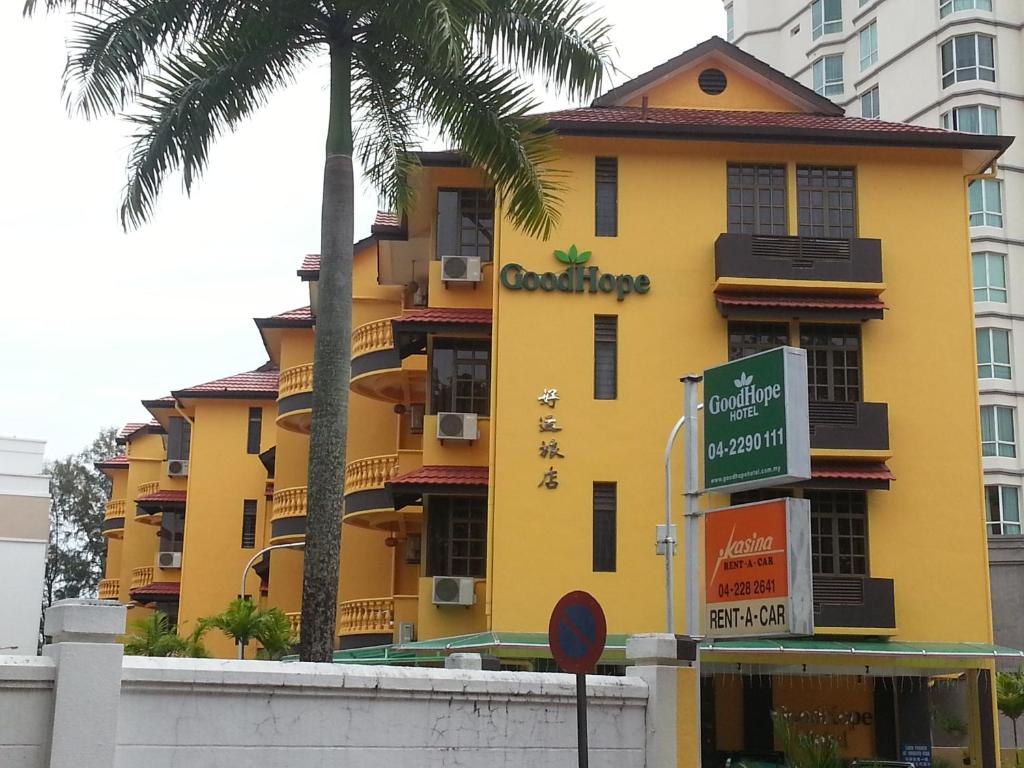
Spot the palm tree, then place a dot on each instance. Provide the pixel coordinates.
(244, 622)
(1010, 700)
(154, 636)
(190, 69)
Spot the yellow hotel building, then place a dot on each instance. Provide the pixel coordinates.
(510, 408)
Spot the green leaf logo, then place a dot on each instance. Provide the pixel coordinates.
(573, 256)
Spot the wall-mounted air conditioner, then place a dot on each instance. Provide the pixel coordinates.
(460, 269)
(453, 590)
(177, 468)
(169, 560)
(457, 426)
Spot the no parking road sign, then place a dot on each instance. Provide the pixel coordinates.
(577, 633)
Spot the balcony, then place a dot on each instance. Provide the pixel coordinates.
(145, 514)
(850, 430)
(288, 517)
(113, 519)
(375, 616)
(368, 503)
(110, 589)
(380, 369)
(761, 263)
(295, 398)
(295, 622)
(142, 578)
(843, 603)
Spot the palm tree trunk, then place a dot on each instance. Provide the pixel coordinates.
(1016, 747)
(331, 373)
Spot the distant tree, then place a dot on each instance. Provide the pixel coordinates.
(79, 493)
(154, 636)
(1010, 700)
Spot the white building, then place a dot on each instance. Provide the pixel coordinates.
(24, 531)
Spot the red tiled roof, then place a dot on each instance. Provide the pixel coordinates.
(451, 315)
(114, 462)
(162, 497)
(129, 429)
(157, 588)
(160, 402)
(836, 470)
(301, 317)
(798, 302)
(442, 475)
(385, 219)
(699, 123)
(258, 383)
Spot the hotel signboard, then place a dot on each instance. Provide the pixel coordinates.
(756, 430)
(758, 570)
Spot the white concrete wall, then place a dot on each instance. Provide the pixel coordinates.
(22, 563)
(83, 705)
(179, 713)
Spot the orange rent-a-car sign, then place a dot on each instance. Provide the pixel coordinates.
(757, 565)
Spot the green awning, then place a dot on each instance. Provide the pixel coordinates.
(510, 645)
(862, 647)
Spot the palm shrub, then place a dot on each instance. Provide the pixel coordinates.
(182, 72)
(154, 636)
(1010, 701)
(804, 749)
(244, 622)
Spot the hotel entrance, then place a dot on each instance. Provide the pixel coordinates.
(927, 704)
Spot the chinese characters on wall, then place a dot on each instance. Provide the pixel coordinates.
(549, 448)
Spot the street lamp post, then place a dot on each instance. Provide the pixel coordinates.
(245, 572)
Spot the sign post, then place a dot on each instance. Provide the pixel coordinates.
(577, 634)
(756, 431)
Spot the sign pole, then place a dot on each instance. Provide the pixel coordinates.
(691, 514)
(583, 747)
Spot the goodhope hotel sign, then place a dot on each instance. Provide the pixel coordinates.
(575, 278)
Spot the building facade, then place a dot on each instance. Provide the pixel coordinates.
(511, 399)
(954, 64)
(24, 534)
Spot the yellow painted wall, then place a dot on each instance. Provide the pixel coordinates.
(448, 620)
(672, 207)
(743, 93)
(118, 492)
(146, 454)
(222, 476)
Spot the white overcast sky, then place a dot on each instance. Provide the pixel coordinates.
(92, 319)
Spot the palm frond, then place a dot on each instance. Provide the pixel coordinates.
(563, 41)
(485, 112)
(200, 92)
(385, 127)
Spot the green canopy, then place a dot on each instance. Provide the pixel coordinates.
(862, 647)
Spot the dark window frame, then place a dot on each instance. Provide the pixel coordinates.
(825, 195)
(453, 239)
(752, 194)
(249, 516)
(254, 430)
(606, 197)
(841, 509)
(456, 536)
(606, 357)
(179, 438)
(480, 404)
(742, 342)
(172, 537)
(605, 527)
(822, 357)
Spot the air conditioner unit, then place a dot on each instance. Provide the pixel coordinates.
(457, 426)
(460, 269)
(452, 590)
(177, 468)
(169, 560)
(406, 632)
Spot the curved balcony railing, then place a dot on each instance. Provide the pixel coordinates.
(374, 616)
(142, 577)
(289, 502)
(145, 489)
(295, 622)
(295, 381)
(372, 337)
(110, 589)
(370, 473)
(115, 509)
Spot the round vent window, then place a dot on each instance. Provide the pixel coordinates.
(712, 81)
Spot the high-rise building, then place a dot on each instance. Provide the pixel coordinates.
(24, 532)
(510, 400)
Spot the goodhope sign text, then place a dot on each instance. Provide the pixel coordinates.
(575, 278)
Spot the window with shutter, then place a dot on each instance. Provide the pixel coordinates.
(606, 175)
(606, 353)
(605, 503)
(249, 524)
